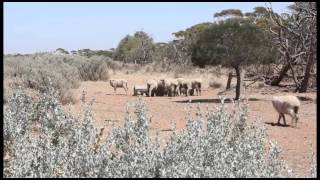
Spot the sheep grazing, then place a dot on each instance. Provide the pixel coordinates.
(185, 84)
(287, 105)
(119, 83)
(170, 85)
(173, 87)
(196, 84)
(161, 90)
(180, 86)
(152, 86)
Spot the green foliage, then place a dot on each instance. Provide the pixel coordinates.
(229, 12)
(137, 48)
(161, 52)
(94, 68)
(187, 39)
(172, 53)
(232, 43)
(192, 31)
(89, 53)
(260, 11)
(104, 53)
(61, 50)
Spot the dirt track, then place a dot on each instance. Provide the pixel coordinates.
(295, 142)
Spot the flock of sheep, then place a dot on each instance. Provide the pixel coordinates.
(173, 87)
(163, 86)
(287, 104)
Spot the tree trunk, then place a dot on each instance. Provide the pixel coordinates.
(289, 61)
(229, 81)
(243, 73)
(238, 86)
(305, 81)
(294, 77)
(283, 72)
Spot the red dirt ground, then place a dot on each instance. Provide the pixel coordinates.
(295, 142)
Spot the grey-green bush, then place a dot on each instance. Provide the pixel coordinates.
(35, 70)
(214, 144)
(214, 84)
(65, 71)
(93, 68)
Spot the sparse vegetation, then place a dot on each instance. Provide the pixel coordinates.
(65, 72)
(41, 139)
(33, 72)
(93, 68)
(66, 146)
(215, 84)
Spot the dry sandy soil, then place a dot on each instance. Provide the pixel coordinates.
(295, 142)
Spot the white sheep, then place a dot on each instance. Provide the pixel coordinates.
(196, 84)
(179, 87)
(152, 86)
(185, 84)
(287, 105)
(119, 83)
(170, 85)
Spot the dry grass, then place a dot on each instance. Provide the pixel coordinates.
(215, 84)
(69, 97)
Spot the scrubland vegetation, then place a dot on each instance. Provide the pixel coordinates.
(65, 72)
(43, 140)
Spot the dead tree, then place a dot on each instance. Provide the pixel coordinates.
(277, 80)
(229, 80)
(295, 36)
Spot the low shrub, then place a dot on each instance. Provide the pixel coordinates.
(65, 71)
(92, 69)
(214, 84)
(69, 97)
(34, 71)
(215, 143)
(176, 75)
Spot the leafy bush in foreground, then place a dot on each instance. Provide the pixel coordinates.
(44, 141)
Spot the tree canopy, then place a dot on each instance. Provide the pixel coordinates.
(136, 48)
(232, 43)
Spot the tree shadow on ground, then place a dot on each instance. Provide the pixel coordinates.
(214, 100)
(276, 124)
(112, 94)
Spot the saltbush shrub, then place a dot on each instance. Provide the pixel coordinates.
(65, 71)
(42, 140)
(214, 84)
(34, 71)
(92, 69)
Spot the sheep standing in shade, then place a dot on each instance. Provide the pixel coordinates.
(185, 85)
(155, 87)
(196, 84)
(119, 83)
(152, 85)
(170, 86)
(287, 105)
(179, 87)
